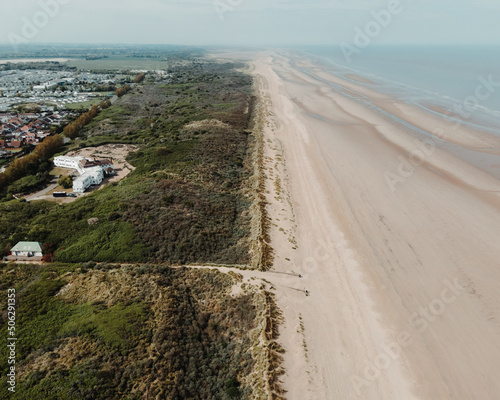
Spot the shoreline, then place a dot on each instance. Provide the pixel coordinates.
(371, 257)
(444, 105)
(443, 133)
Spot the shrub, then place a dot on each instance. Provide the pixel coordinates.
(233, 388)
(162, 338)
(27, 184)
(162, 151)
(65, 181)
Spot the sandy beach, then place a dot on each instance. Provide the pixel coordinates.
(395, 234)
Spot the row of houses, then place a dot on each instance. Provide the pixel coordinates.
(26, 129)
(53, 89)
(92, 171)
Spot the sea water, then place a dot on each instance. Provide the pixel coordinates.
(429, 77)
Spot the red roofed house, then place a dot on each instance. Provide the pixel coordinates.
(31, 138)
(15, 121)
(16, 144)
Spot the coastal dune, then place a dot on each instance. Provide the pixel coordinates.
(395, 236)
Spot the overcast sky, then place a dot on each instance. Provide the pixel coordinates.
(250, 22)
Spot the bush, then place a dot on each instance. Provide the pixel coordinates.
(65, 181)
(162, 151)
(161, 337)
(27, 184)
(233, 388)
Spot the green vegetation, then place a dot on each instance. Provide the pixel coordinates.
(36, 163)
(65, 181)
(185, 202)
(114, 63)
(95, 58)
(112, 115)
(114, 326)
(110, 331)
(111, 239)
(28, 183)
(83, 106)
(107, 241)
(73, 129)
(122, 333)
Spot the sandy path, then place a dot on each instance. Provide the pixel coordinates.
(403, 278)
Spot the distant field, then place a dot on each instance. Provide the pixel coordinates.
(118, 62)
(113, 62)
(26, 60)
(85, 105)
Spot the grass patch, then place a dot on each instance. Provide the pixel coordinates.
(106, 242)
(114, 326)
(114, 114)
(117, 334)
(84, 106)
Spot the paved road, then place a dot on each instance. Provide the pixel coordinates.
(42, 193)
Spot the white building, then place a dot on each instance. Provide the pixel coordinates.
(91, 171)
(69, 162)
(27, 249)
(91, 176)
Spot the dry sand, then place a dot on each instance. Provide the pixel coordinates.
(400, 254)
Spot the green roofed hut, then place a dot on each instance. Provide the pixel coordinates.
(26, 251)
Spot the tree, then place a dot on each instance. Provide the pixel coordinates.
(72, 130)
(49, 147)
(122, 90)
(48, 251)
(65, 181)
(139, 78)
(30, 163)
